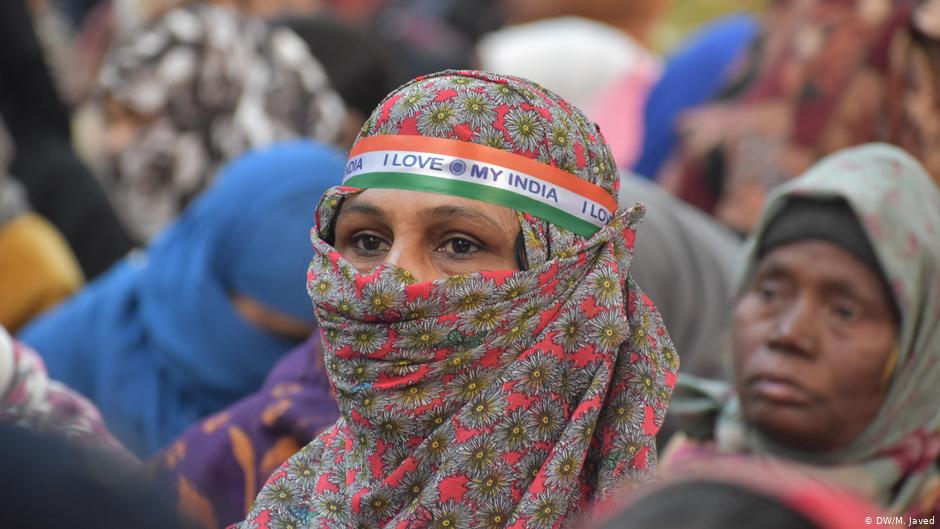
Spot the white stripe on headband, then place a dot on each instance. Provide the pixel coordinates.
(479, 172)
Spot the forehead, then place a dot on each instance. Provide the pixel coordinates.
(419, 204)
(821, 262)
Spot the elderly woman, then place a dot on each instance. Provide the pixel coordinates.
(493, 360)
(837, 333)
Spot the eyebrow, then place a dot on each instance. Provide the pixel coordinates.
(839, 286)
(361, 209)
(844, 287)
(772, 269)
(463, 212)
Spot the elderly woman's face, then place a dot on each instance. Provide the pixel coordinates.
(813, 335)
(430, 235)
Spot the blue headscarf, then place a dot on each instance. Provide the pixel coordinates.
(693, 76)
(157, 343)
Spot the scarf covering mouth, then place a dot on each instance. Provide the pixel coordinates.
(491, 399)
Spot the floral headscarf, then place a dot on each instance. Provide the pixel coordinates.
(894, 461)
(217, 84)
(492, 399)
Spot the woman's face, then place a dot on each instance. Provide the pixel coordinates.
(813, 336)
(430, 235)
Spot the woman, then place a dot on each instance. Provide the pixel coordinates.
(493, 361)
(197, 321)
(194, 89)
(683, 258)
(837, 334)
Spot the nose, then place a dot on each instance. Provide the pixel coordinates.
(797, 328)
(410, 255)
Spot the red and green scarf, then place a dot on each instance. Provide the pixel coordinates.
(492, 399)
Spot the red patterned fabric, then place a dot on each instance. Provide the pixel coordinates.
(493, 399)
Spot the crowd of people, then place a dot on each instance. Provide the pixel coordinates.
(460, 264)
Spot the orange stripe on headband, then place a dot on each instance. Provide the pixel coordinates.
(486, 154)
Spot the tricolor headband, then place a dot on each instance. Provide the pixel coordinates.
(469, 170)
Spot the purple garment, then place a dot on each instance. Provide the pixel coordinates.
(219, 464)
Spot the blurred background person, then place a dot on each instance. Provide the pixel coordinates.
(219, 464)
(354, 61)
(595, 53)
(58, 185)
(194, 89)
(196, 321)
(835, 335)
(685, 262)
(32, 401)
(825, 76)
(705, 66)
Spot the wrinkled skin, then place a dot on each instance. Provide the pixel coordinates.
(814, 335)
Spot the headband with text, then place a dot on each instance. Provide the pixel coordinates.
(469, 170)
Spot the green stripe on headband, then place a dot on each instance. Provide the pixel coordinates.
(444, 186)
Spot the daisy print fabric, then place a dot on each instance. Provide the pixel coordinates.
(492, 399)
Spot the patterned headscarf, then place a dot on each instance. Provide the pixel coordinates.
(492, 399)
(894, 460)
(216, 84)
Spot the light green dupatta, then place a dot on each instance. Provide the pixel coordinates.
(894, 461)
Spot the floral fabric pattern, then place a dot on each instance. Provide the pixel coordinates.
(492, 399)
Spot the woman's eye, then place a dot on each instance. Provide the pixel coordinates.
(369, 243)
(767, 292)
(772, 289)
(845, 312)
(460, 246)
